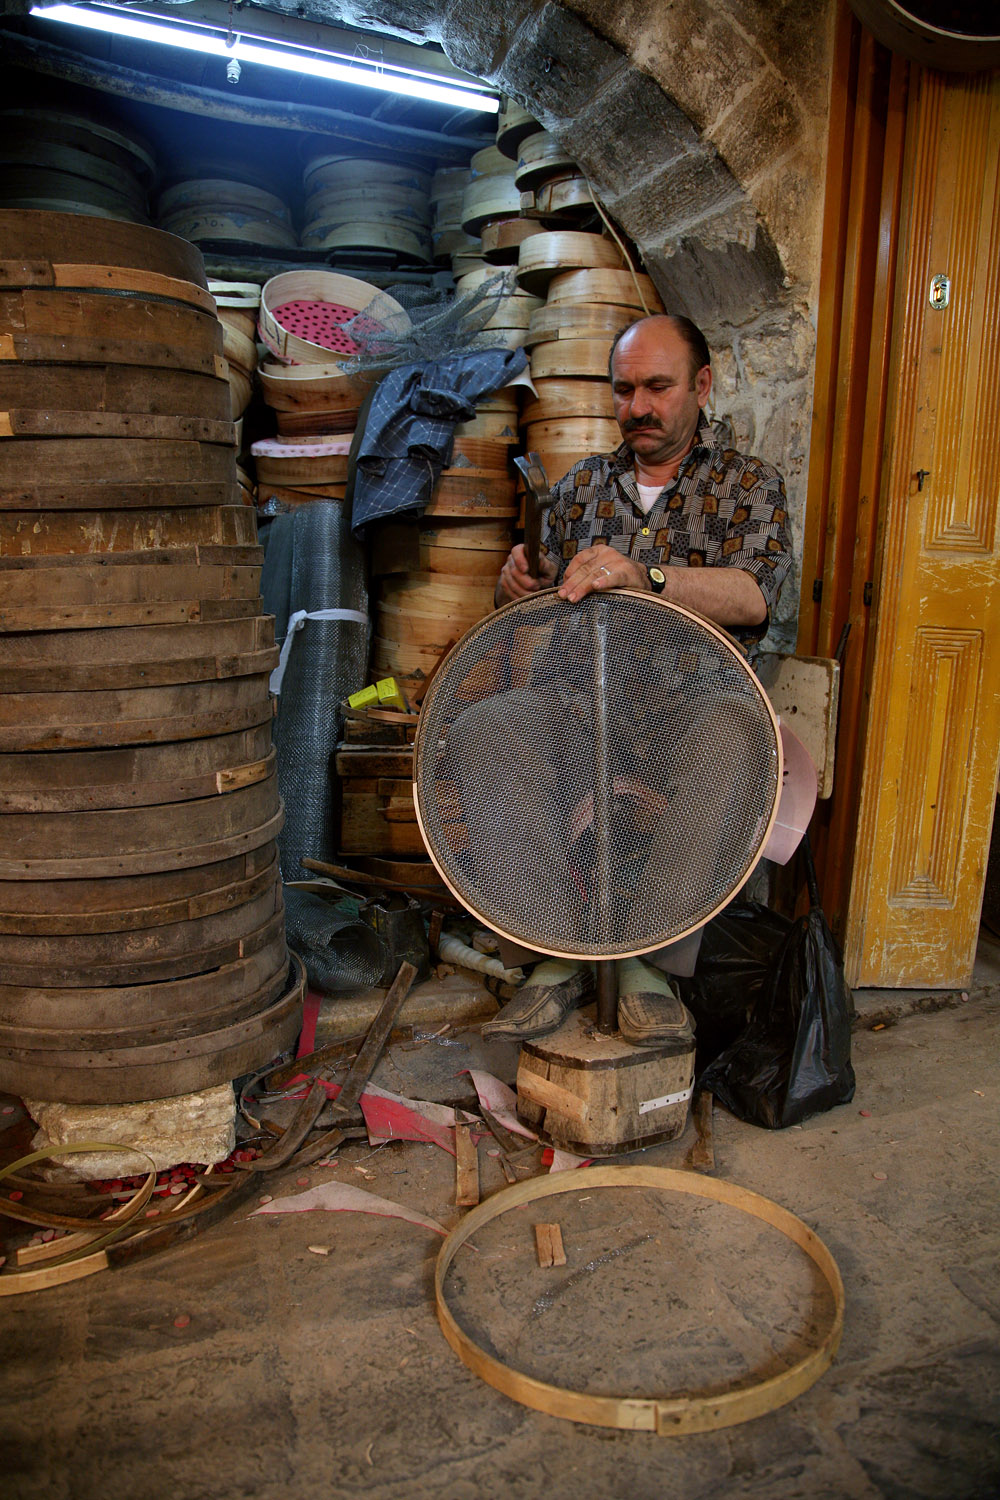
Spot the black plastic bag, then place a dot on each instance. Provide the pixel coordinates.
(737, 950)
(794, 1058)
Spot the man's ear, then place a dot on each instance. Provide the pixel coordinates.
(703, 384)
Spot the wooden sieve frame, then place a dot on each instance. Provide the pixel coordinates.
(668, 1416)
(724, 639)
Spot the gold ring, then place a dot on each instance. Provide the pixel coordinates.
(605, 570)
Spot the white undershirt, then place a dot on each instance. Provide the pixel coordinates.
(648, 495)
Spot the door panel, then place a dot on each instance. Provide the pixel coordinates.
(930, 760)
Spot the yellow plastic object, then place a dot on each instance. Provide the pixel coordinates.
(382, 694)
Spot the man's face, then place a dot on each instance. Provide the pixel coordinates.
(656, 398)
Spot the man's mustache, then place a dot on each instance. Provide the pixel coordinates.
(632, 424)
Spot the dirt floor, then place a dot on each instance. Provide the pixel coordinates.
(301, 1373)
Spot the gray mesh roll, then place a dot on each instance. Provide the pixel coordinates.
(340, 951)
(328, 660)
(276, 537)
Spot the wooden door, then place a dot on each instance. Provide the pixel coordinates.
(933, 740)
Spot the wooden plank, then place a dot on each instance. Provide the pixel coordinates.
(549, 1245)
(130, 777)
(70, 461)
(466, 1167)
(80, 533)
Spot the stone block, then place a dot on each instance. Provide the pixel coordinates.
(477, 34)
(559, 63)
(627, 131)
(765, 124)
(197, 1127)
(714, 279)
(691, 187)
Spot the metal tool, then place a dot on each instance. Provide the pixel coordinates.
(536, 501)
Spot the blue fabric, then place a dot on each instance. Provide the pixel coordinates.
(409, 432)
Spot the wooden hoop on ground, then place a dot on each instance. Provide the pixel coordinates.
(666, 1416)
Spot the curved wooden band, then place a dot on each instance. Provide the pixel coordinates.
(667, 1414)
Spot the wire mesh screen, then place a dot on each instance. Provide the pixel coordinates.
(595, 779)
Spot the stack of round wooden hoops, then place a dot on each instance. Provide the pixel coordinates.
(227, 210)
(465, 534)
(62, 161)
(380, 209)
(142, 942)
(302, 318)
(569, 338)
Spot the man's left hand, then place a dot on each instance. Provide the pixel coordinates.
(598, 568)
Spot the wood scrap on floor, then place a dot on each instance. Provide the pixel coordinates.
(466, 1168)
(549, 1245)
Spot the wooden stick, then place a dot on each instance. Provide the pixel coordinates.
(466, 1168)
(363, 1066)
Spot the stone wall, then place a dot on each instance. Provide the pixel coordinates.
(702, 125)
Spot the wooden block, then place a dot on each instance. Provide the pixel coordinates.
(548, 1243)
(466, 1168)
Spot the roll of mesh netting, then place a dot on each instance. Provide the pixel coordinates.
(340, 951)
(275, 537)
(326, 660)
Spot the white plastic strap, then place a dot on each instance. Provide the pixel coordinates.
(295, 624)
(648, 1105)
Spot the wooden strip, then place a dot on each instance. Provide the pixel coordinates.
(363, 1066)
(148, 494)
(549, 1245)
(172, 951)
(66, 394)
(46, 238)
(619, 288)
(138, 840)
(170, 612)
(37, 721)
(120, 904)
(666, 1414)
(69, 461)
(78, 533)
(466, 1167)
(57, 1020)
(90, 328)
(163, 1070)
(572, 358)
(539, 1090)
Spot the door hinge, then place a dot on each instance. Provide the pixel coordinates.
(817, 590)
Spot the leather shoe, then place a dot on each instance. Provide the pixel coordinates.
(543, 1002)
(650, 1011)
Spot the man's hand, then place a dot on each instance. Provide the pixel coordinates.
(515, 582)
(599, 568)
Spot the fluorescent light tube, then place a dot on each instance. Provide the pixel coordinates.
(313, 65)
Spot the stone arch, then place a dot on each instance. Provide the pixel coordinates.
(703, 136)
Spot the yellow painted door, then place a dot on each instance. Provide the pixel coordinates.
(933, 728)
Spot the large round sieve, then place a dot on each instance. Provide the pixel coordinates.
(596, 779)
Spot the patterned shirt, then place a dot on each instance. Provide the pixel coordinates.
(723, 509)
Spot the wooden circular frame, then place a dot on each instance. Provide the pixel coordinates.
(664, 1415)
(467, 898)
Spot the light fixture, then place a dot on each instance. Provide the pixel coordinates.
(339, 68)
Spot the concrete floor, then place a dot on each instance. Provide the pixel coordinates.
(302, 1374)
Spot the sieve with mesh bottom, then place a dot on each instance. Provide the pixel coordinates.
(598, 779)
